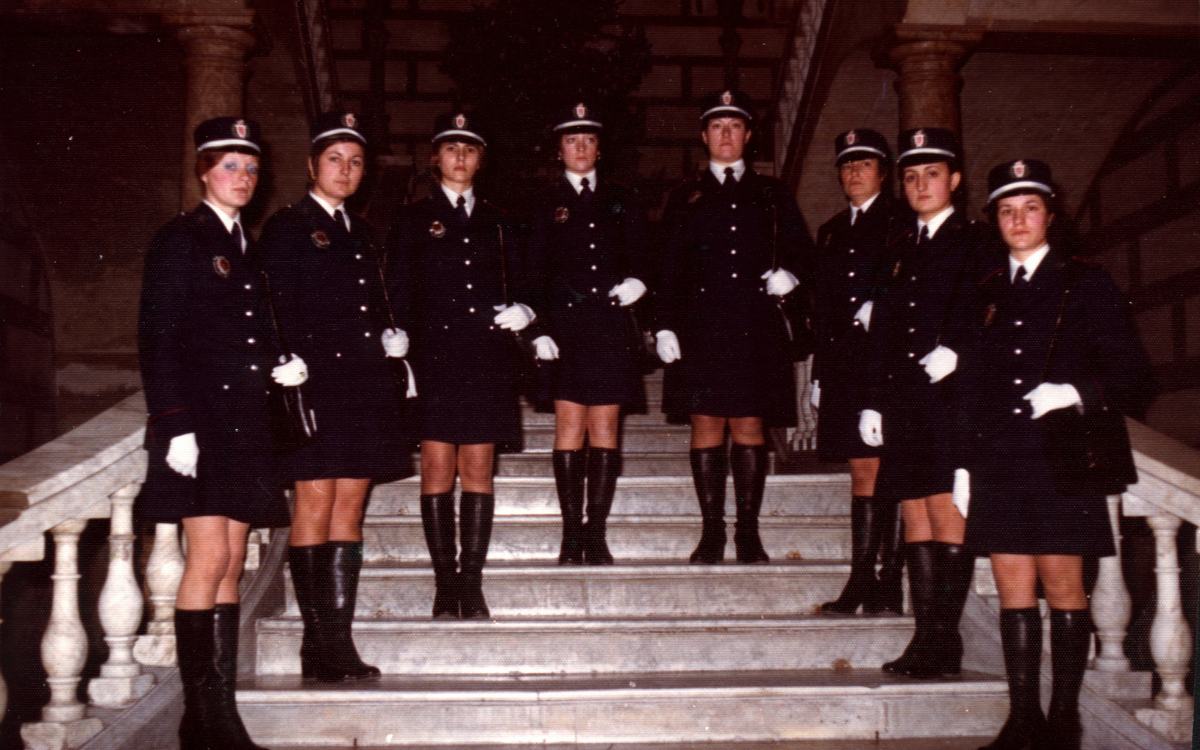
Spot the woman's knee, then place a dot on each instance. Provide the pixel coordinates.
(746, 431)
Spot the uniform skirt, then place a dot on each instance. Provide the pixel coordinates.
(837, 425)
(467, 392)
(352, 443)
(1015, 510)
(596, 362)
(239, 484)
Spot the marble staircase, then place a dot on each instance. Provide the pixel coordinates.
(650, 650)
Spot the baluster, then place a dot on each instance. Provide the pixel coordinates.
(64, 651)
(1111, 605)
(4, 568)
(121, 680)
(1170, 639)
(164, 571)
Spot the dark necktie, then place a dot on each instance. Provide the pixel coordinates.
(923, 238)
(585, 195)
(340, 218)
(461, 209)
(237, 237)
(730, 180)
(1021, 280)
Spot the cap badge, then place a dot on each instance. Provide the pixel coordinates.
(561, 214)
(240, 129)
(350, 120)
(580, 111)
(437, 230)
(221, 266)
(1018, 169)
(919, 139)
(727, 98)
(460, 121)
(851, 138)
(320, 239)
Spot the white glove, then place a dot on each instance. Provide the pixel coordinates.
(183, 454)
(293, 372)
(545, 348)
(780, 282)
(395, 342)
(814, 397)
(628, 291)
(962, 491)
(667, 346)
(513, 317)
(863, 315)
(870, 427)
(939, 363)
(1050, 396)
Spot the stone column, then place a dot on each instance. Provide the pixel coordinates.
(215, 61)
(928, 86)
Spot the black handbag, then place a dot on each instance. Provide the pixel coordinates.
(293, 422)
(1089, 454)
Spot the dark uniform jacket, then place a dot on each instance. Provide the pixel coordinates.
(851, 260)
(929, 288)
(736, 359)
(446, 279)
(330, 302)
(576, 252)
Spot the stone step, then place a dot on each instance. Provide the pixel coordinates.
(922, 743)
(401, 539)
(537, 463)
(651, 417)
(637, 438)
(817, 494)
(713, 707)
(567, 646)
(514, 590)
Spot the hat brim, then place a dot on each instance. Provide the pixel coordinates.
(465, 136)
(862, 152)
(578, 125)
(341, 131)
(727, 110)
(926, 156)
(1023, 186)
(228, 142)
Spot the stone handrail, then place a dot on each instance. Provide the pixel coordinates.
(94, 471)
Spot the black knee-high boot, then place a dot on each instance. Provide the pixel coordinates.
(209, 721)
(1021, 636)
(437, 518)
(956, 568)
(226, 621)
(1070, 639)
(749, 465)
(569, 470)
(863, 543)
(708, 474)
(305, 563)
(337, 608)
(604, 466)
(922, 581)
(888, 526)
(475, 532)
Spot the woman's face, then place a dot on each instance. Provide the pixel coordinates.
(726, 138)
(579, 151)
(861, 179)
(230, 184)
(458, 163)
(338, 171)
(1023, 220)
(929, 188)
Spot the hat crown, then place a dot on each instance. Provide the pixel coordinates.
(580, 110)
(1018, 168)
(460, 120)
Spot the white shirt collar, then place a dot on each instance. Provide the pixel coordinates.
(329, 209)
(229, 221)
(1031, 263)
(718, 170)
(935, 223)
(856, 210)
(468, 194)
(576, 180)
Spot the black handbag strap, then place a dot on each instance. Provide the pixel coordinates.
(1073, 274)
(287, 350)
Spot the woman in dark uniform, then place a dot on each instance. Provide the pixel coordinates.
(931, 275)
(1007, 382)
(451, 258)
(325, 279)
(850, 261)
(205, 364)
(729, 230)
(587, 238)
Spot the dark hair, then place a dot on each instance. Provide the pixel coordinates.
(993, 207)
(320, 145)
(211, 157)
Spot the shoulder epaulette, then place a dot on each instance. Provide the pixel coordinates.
(990, 276)
(493, 205)
(1086, 261)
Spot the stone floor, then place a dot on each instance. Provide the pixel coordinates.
(957, 743)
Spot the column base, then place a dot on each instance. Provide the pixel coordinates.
(46, 735)
(118, 692)
(1175, 725)
(155, 650)
(1120, 686)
